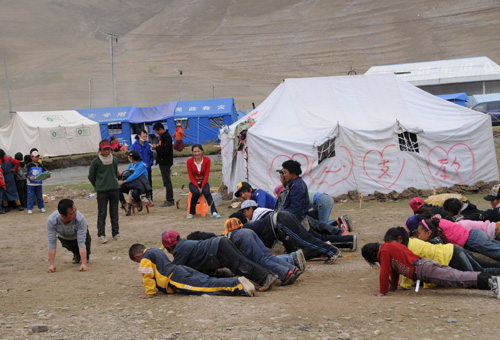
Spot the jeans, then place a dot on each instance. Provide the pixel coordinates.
(232, 258)
(167, 183)
(252, 247)
(324, 228)
(113, 197)
(35, 191)
(464, 261)
(324, 205)
(480, 242)
(195, 191)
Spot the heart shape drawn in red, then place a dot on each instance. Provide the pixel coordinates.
(339, 171)
(384, 172)
(450, 165)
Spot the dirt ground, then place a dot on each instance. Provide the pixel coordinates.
(327, 301)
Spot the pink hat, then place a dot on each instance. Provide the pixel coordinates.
(278, 190)
(104, 144)
(416, 203)
(170, 238)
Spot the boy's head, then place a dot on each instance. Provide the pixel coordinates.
(452, 206)
(291, 167)
(396, 234)
(135, 252)
(416, 203)
(243, 190)
(105, 147)
(169, 240)
(248, 208)
(370, 253)
(18, 156)
(159, 128)
(35, 156)
(494, 196)
(232, 224)
(239, 215)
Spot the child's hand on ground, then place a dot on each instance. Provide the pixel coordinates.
(83, 268)
(51, 269)
(377, 294)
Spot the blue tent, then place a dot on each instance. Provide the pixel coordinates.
(202, 119)
(113, 121)
(457, 98)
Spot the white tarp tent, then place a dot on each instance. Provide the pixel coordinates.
(366, 133)
(53, 133)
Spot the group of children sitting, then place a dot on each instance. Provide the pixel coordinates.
(436, 247)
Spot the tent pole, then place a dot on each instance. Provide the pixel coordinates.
(7, 87)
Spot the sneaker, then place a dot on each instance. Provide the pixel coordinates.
(102, 239)
(43, 210)
(493, 283)
(151, 204)
(354, 243)
(76, 259)
(299, 260)
(168, 204)
(118, 237)
(346, 220)
(190, 216)
(268, 283)
(332, 259)
(216, 215)
(20, 208)
(248, 286)
(144, 199)
(291, 277)
(30, 212)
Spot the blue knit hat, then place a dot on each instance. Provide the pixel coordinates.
(412, 224)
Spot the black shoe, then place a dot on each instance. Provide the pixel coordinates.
(76, 259)
(20, 208)
(268, 283)
(291, 277)
(6, 209)
(168, 204)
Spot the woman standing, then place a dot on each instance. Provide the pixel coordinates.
(178, 134)
(198, 168)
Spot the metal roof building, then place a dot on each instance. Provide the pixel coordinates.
(477, 75)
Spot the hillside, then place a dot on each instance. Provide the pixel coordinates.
(240, 49)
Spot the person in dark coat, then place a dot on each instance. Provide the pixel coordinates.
(165, 160)
(209, 255)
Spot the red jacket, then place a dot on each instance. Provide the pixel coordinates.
(395, 259)
(194, 175)
(2, 181)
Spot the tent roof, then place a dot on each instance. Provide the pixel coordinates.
(206, 108)
(48, 119)
(310, 108)
(107, 114)
(454, 96)
(152, 113)
(481, 98)
(443, 71)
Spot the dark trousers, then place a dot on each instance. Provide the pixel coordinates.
(136, 195)
(195, 191)
(231, 257)
(72, 245)
(189, 281)
(113, 197)
(150, 178)
(294, 236)
(167, 183)
(22, 190)
(338, 241)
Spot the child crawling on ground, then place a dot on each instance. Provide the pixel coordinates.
(396, 259)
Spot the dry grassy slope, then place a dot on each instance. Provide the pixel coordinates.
(242, 48)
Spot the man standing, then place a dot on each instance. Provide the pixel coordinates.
(103, 174)
(70, 227)
(165, 159)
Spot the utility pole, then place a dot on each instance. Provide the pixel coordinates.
(90, 91)
(111, 37)
(180, 85)
(7, 87)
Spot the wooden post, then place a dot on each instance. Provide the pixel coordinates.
(360, 201)
(434, 191)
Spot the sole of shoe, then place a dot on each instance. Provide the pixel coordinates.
(270, 281)
(348, 222)
(354, 243)
(248, 286)
(332, 259)
(302, 263)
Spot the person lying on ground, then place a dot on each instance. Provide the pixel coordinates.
(159, 274)
(395, 259)
(209, 255)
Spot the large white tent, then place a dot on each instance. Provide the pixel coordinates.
(366, 133)
(53, 133)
